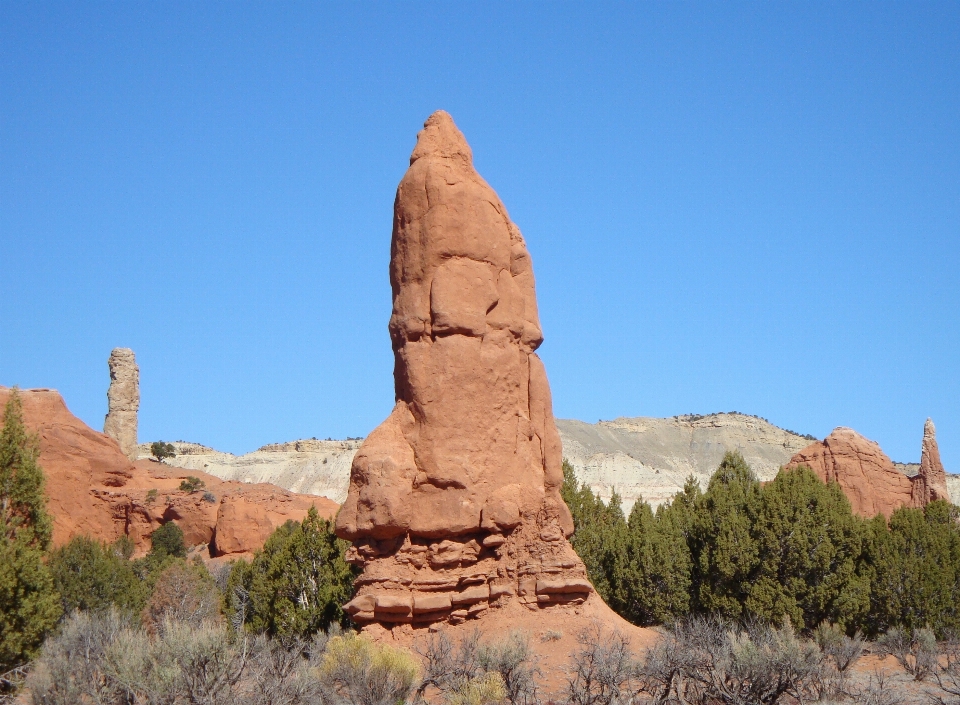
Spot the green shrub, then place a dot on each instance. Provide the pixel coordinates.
(167, 540)
(296, 583)
(366, 673)
(92, 576)
(161, 450)
(192, 484)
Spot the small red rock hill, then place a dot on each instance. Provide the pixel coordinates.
(94, 490)
(868, 477)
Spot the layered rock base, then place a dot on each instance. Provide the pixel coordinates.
(418, 580)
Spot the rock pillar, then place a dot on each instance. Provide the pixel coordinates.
(123, 401)
(931, 481)
(454, 502)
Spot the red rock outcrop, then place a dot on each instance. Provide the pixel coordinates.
(94, 490)
(868, 477)
(454, 502)
(931, 481)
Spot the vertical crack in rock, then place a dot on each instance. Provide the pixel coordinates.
(454, 502)
(123, 401)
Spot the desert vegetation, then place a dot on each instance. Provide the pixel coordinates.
(762, 594)
(788, 549)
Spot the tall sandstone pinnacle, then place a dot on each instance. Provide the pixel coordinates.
(932, 484)
(123, 401)
(454, 503)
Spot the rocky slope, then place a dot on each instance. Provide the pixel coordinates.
(306, 466)
(94, 490)
(652, 458)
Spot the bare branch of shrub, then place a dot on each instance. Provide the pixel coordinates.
(915, 651)
(603, 668)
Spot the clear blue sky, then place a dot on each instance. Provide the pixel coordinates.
(750, 207)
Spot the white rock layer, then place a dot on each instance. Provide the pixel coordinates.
(640, 457)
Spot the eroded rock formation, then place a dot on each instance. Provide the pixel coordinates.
(454, 501)
(931, 482)
(123, 401)
(869, 478)
(93, 490)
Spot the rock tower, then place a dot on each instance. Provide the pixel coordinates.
(932, 480)
(454, 504)
(869, 478)
(123, 401)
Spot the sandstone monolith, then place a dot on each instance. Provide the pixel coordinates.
(454, 501)
(931, 481)
(123, 401)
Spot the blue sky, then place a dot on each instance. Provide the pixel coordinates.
(750, 207)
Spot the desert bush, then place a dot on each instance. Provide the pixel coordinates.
(842, 649)
(105, 659)
(358, 671)
(484, 689)
(462, 672)
(71, 665)
(915, 650)
(182, 593)
(513, 660)
(448, 666)
(282, 672)
(706, 660)
(602, 671)
(210, 664)
(167, 540)
(192, 484)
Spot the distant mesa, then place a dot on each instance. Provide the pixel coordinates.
(641, 457)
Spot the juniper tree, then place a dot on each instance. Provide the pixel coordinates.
(725, 554)
(659, 566)
(600, 538)
(296, 583)
(915, 570)
(92, 576)
(810, 554)
(29, 604)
